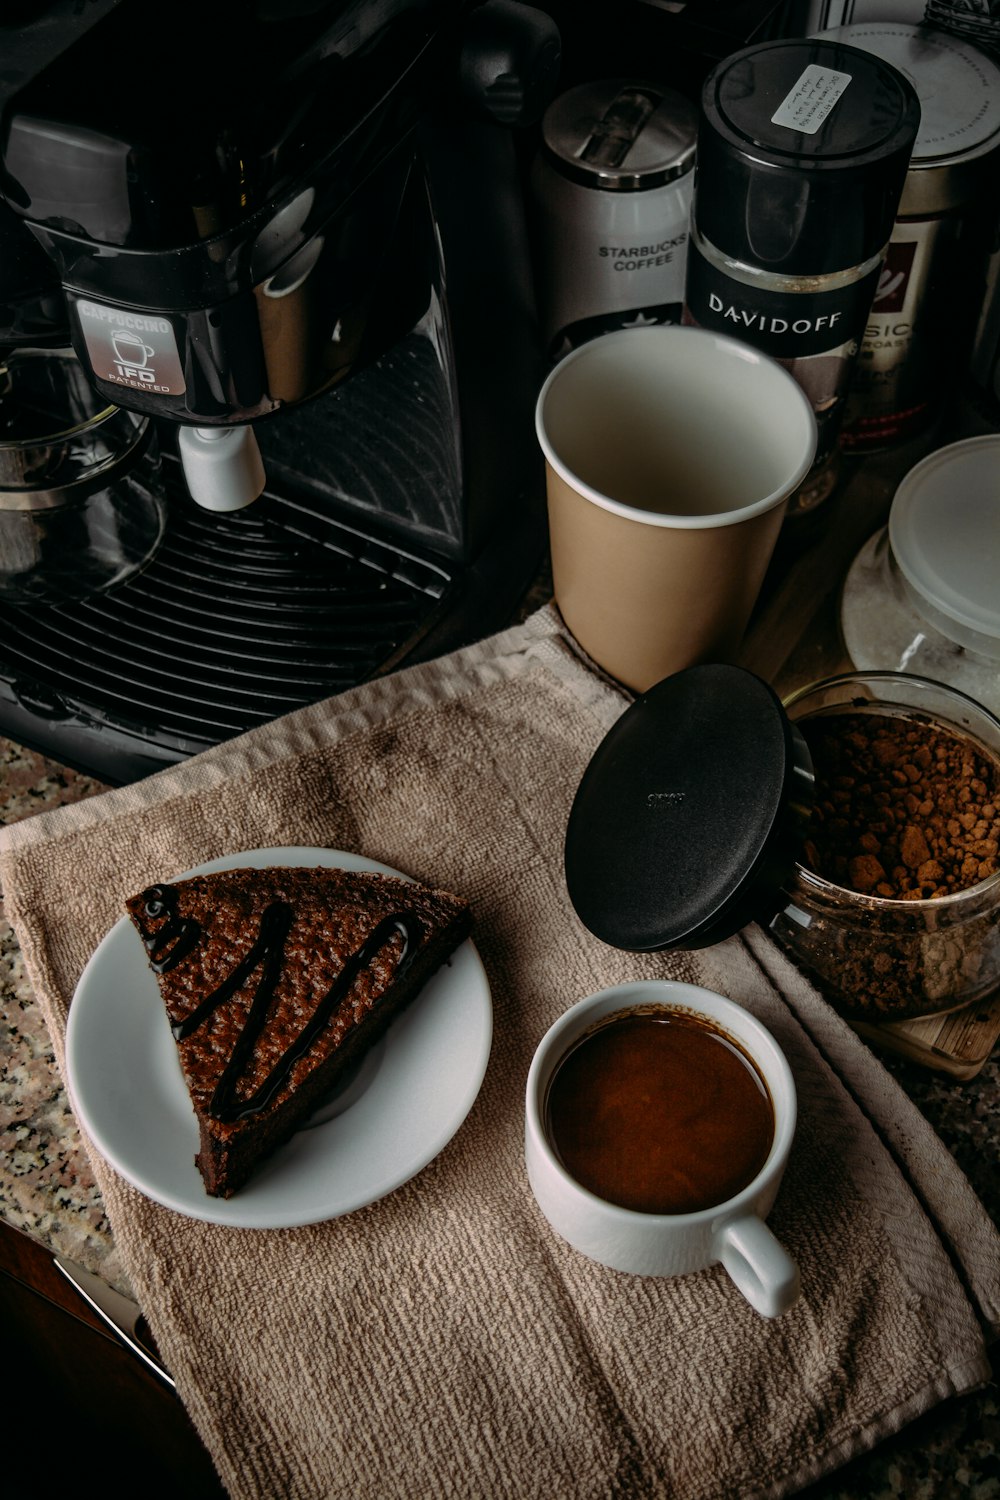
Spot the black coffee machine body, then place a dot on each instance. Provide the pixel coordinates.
(292, 234)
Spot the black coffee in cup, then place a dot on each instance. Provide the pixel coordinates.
(660, 1112)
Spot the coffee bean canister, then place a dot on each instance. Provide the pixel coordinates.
(611, 199)
(932, 284)
(803, 149)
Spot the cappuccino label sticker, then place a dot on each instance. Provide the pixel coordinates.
(132, 349)
(809, 103)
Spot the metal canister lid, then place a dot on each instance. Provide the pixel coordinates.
(959, 91)
(803, 149)
(620, 136)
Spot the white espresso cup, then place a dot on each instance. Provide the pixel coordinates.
(670, 455)
(732, 1233)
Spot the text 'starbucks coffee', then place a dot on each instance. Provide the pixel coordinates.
(611, 192)
(803, 148)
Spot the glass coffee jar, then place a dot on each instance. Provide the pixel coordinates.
(922, 948)
(711, 804)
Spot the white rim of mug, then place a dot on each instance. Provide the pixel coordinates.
(657, 992)
(733, 347)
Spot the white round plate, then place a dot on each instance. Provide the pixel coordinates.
(407, 1101)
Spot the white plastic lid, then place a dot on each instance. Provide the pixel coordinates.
(944, 531)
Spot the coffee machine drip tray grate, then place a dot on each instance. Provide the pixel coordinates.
(238, 619)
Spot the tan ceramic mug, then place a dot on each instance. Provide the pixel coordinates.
(670, 454)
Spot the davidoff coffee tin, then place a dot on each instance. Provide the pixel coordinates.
(611, 191)
(803, 149)
(921, 321)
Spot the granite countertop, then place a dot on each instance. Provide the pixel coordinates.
(48, 1192)
(46, 1187)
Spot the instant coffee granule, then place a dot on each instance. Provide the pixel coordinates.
(906, 812)
(904, 809)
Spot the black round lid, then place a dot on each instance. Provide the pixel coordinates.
(690, 813)
(803, 150)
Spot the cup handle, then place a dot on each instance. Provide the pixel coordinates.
(760, 1267)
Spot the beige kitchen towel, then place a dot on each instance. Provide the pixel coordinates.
(443, 1341)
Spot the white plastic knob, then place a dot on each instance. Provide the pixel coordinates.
(222, 466)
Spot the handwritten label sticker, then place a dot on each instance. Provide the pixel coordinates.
(809, 103)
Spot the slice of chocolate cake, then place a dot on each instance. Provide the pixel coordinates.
(276, 981)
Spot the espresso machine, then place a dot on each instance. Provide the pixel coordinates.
(290, 234)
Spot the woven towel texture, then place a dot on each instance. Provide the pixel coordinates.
(442, 1341)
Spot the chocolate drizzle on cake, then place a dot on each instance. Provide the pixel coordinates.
(267, 954)
(171, 943)
(225, 1105)
(276, 981)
